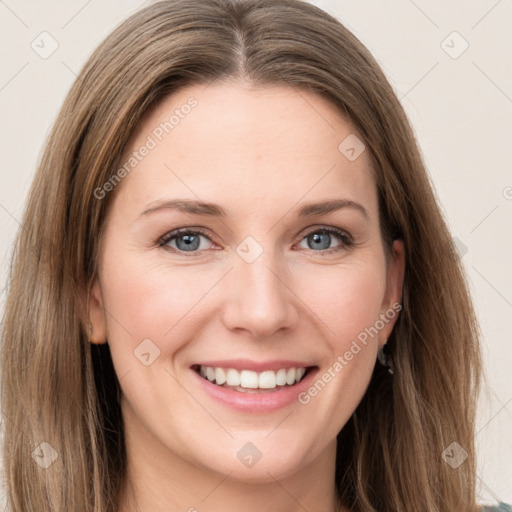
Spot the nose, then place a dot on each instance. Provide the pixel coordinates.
(259, 300)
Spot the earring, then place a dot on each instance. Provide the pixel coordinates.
(90, 329)
(385, 359)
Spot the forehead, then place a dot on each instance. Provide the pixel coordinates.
(233, 142)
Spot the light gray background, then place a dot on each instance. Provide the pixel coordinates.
(460, 107)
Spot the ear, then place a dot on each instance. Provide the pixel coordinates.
(97, 316)
(391, 304)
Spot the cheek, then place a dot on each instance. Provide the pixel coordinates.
(152, 301)
(346, 299)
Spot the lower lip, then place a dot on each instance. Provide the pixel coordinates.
(257, 402)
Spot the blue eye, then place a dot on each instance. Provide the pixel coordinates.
(319, 240)
(186, 240)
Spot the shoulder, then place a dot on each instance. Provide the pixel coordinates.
(501, 507)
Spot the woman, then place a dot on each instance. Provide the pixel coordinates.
(233, 287)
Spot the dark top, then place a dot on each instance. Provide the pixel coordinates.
(500, 507)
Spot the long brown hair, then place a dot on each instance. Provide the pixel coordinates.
(60, 390)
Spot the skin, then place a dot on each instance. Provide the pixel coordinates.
(260, 153)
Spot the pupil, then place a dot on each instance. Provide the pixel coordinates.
(318, 241)
(190, 242)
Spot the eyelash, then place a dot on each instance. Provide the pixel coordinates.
(344, 237)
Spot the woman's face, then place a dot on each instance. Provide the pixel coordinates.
(258, 282)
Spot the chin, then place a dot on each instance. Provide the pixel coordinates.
(258, 463)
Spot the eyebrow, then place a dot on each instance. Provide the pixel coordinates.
(214, 210)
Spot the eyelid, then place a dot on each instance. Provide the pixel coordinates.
(323, 227)
(162, 241)
(345, 237)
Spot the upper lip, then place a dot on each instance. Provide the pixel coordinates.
(249, 364)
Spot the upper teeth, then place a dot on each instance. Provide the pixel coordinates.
(248, 379)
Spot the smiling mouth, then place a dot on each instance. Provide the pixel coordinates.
(248, 381)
